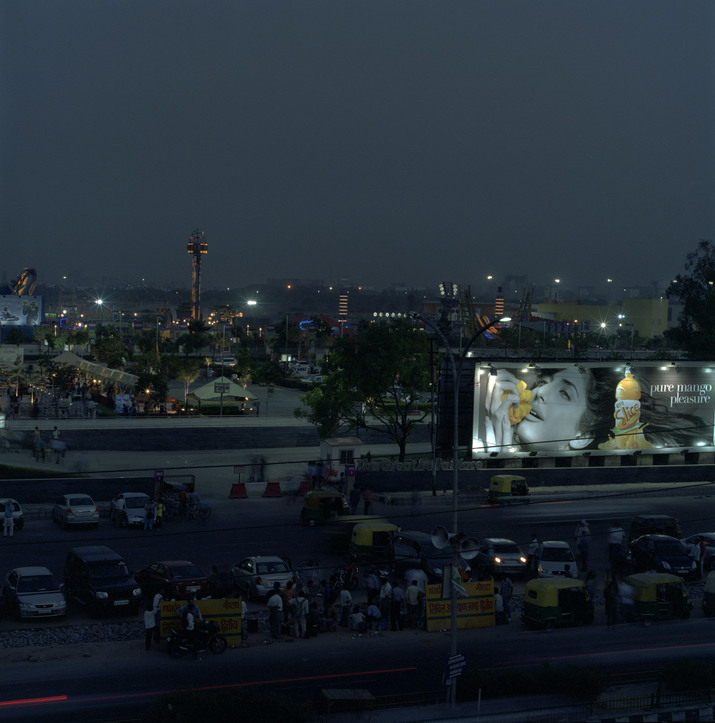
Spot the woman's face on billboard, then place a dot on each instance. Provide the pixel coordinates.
(557, 407)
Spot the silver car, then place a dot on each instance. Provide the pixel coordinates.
(255, 576)
(75, 509)
(127, 509)
(33, 592)
(504, 556)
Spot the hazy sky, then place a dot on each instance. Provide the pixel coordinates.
(418, 141)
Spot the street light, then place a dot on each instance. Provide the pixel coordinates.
(456, 375)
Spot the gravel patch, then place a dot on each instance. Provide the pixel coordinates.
(72, 634)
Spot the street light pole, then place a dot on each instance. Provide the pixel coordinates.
(456, 376)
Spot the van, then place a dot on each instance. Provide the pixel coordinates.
(99, 578)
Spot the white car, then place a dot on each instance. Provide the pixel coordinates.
(127, 509)
(553, 558)
(33, 592)
(75, 509)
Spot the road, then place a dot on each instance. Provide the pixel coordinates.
(119, 678)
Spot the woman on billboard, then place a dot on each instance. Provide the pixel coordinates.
(575, 408)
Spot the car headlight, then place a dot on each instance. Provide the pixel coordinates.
(25, 606)
(136, 592)
(522, 560)
(497, 560)
(101, 595)
(665, 565)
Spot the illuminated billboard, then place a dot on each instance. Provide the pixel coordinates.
(597, 407)
(20, 310)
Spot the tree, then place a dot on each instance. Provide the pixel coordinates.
(370, 381)
(695, 290)
(15, 336)
(187, 372)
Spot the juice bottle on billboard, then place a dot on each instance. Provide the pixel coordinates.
(628, 431)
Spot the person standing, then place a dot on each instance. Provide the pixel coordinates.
(616, 538)
(372, 585)
(149, 513)
(531, 555)
(583, 541)
(354, 500)
(695, 556)
(507, 587)
(610, 595)
(301, 615)
(346, 603)
(8, 520)
(156, 611)
(189, 619)
(149, 625)
(275, 611)
(397, 601)
(367, 500)
(385, 599)
(413, 598)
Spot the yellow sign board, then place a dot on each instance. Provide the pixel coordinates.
(474, 611)
(226, 612)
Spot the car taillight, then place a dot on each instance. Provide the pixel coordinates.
(258, 580)
(69, 510)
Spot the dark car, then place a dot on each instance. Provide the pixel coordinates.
(182, 578)
(413, 555)
(654, 525)
(662, 553)
(99, 577)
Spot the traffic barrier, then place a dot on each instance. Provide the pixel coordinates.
(238, 491)
(273, 489)
(305, 487)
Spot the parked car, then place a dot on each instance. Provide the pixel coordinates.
(182, 578)
(256, 575)
(17, 514)
(33, 592)
(127, 508)
(662, 553)
(504, 556)
(75, 509)
(654, 525)
(99, 578)
(552, 557)
(708, 562)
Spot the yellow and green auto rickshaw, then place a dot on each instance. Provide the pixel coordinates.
(507, 488)
(323, 505)
(371, 540)
(657, 596)
(551, 602)
(709, 595)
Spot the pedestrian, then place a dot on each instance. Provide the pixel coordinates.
(149, 513)
(374, 616)
(156, 610)
(610, 595)
(354, 500)
(694, 555)
(302, 608)
(589, 584)
(189, 620)
(346, 603)
(149, 626)
(385, 599)
(8, 520)
(616, 539)
(507, 587)
(372, 585)
(275, 611)
(396, 605)
(498, 607)
(583, 541)
(531, 554)
(367, 500)
(287, 594)
(413, 600)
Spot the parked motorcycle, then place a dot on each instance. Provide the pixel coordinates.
(347, 577)
(207, 638)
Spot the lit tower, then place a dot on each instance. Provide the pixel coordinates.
(197, 245)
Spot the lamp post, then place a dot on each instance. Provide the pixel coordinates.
(456, 375)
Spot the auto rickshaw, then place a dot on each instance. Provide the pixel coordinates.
(323, 505)
(371, 540)
(556, 603)
(657, 596)
(507, 488)
(709, 595)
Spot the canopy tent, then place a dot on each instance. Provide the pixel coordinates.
(97, 371)
(221, 387)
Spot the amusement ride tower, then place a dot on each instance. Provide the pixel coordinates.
(197, 245)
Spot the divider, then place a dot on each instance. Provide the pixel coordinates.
(273, 489)
(238, 491)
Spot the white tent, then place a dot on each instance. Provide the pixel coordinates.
(221, 388)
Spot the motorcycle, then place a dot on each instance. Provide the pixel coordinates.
(207, 638)
(347, 577)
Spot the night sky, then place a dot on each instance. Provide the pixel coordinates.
(412, 141)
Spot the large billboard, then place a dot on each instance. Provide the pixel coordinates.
(20, 310)
(572, 408)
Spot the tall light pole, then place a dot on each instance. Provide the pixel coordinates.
(456, 376)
